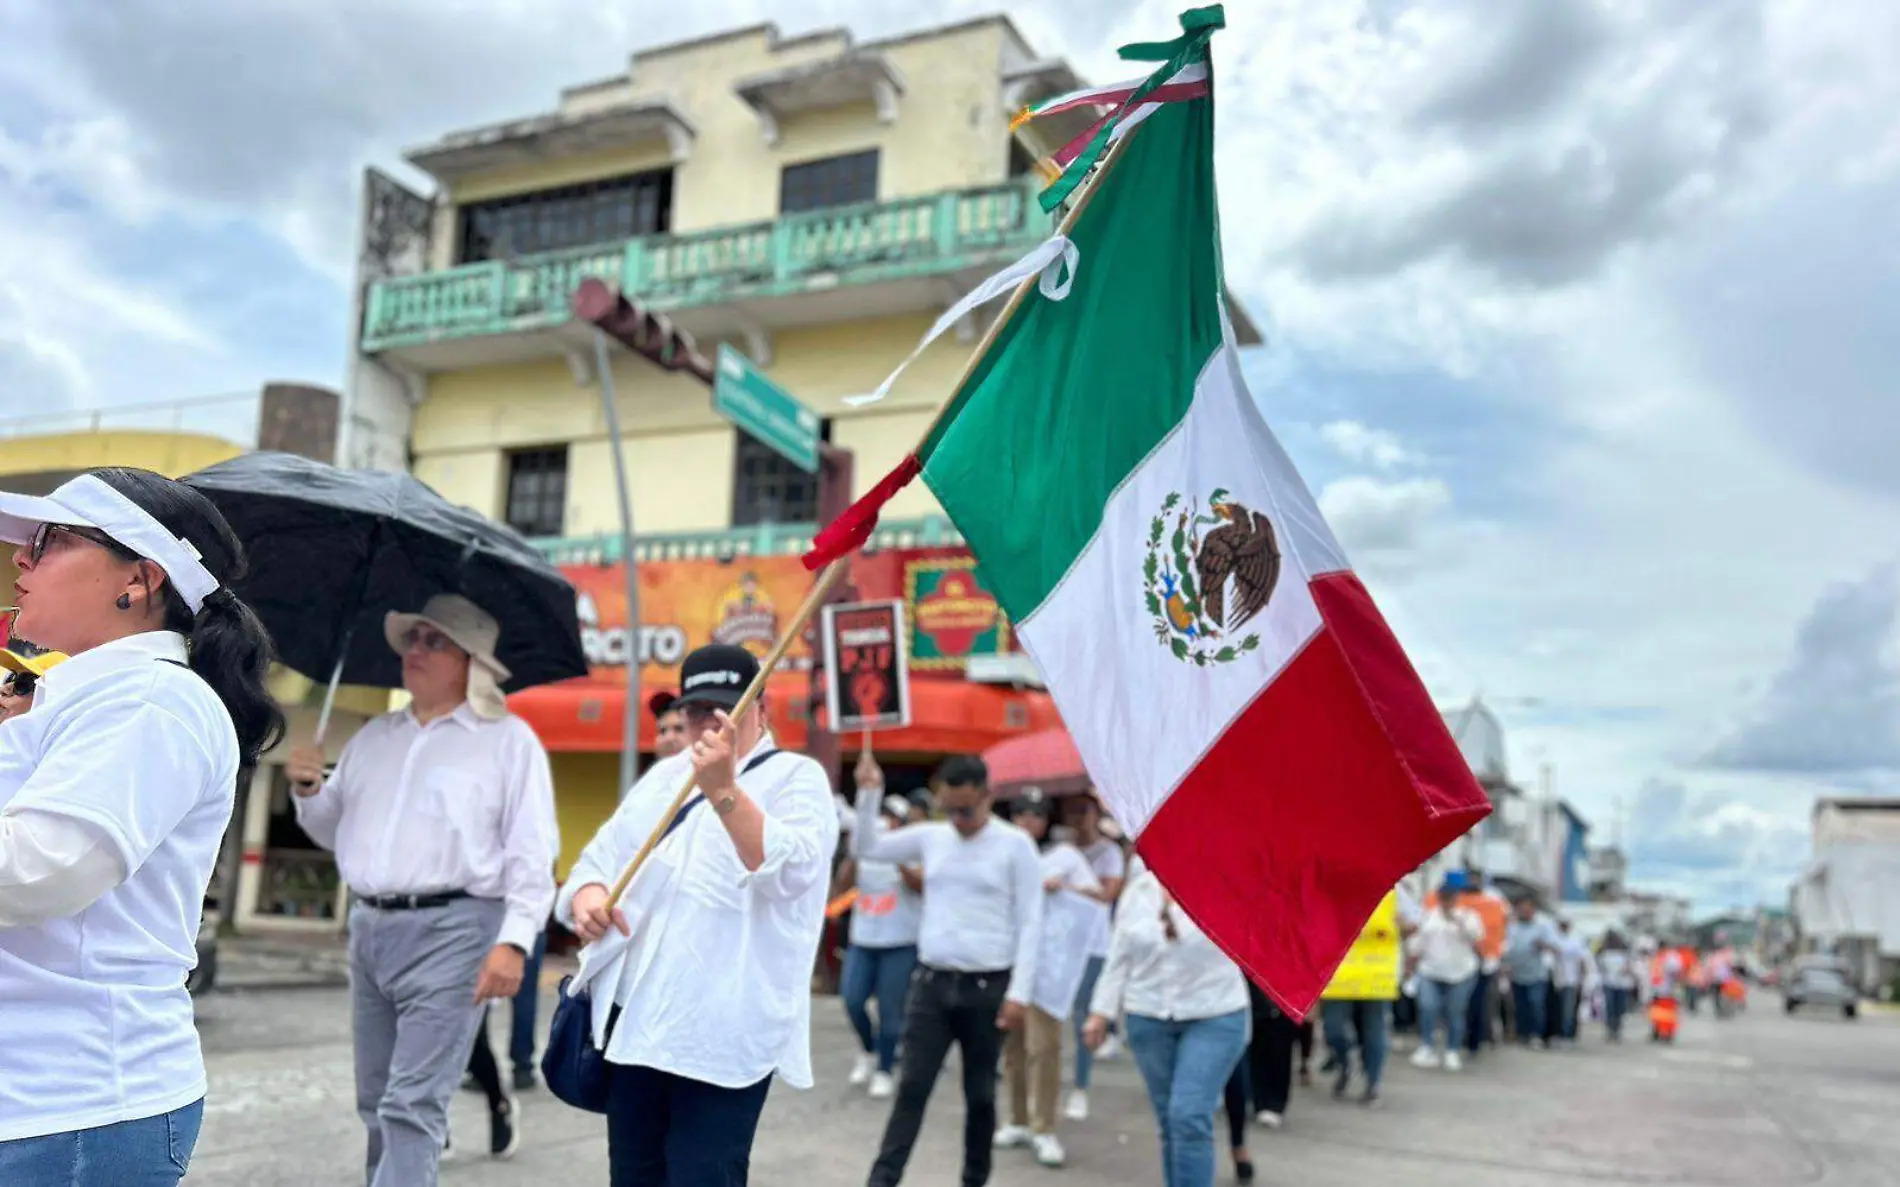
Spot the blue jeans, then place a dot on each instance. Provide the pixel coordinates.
(1446, 1002)
(1531, 1001)
(1368, 1020)
(1084, 998)
(527, 1001)
(150, 1152)
(886, 973)
(1567, 999)
(1186, 1066)
(1616, 1003)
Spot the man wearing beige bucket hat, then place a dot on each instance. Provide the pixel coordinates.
(441, 816)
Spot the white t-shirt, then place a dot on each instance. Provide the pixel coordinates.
(1106, 859)
(95, 1024)
(887, 913)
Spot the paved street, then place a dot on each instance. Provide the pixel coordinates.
(1764, 1101)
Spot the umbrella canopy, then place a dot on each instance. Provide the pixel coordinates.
(332, 551)
(1047, 759)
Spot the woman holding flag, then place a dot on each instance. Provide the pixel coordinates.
(115, 791)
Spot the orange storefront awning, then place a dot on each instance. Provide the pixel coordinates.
(947, 716)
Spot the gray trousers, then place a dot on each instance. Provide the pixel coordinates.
(412, 986)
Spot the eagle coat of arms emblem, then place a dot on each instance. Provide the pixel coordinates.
(1207, 574)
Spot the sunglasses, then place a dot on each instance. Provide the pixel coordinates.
(428, 640)
(969, 813)
(43, 536)
(19, 684)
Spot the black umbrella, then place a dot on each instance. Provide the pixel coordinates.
(332, 551)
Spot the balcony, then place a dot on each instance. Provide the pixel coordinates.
(806, 268)
(766, 539)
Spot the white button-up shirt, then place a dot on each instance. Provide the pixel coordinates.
(462, 803)
(982, 894)
(1180, 980)
(127, 747)
(715, 982)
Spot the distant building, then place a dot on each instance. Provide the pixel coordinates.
(1609, 869)
(1848, 899)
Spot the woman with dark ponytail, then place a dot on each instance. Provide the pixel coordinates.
(115, 791)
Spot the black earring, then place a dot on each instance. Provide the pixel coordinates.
(124, 602)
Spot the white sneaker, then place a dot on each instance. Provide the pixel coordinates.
(1269, 1118)
(883, 1086)
(1454, 1062)
(1425, 1057)
(1078, 1106)
(1110, 1049)
(861, 1070)
(1048, 1150)
(1014, 1137)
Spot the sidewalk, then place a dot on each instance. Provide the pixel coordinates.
(282, 961)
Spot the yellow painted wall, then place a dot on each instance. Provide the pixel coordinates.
(171, 454)
(679, 453)
(950, 131)
(586, 791)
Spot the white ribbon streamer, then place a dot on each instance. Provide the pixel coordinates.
(1056, 258)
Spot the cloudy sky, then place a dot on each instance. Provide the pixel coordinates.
(1584, 317)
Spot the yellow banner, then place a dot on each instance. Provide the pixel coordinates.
(1370, 971)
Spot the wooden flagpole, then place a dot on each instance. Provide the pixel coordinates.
(819, 591)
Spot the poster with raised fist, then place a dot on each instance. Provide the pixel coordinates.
(868, 684)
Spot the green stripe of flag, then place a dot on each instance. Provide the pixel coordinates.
(1073, 394)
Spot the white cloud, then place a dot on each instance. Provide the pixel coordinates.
(1385, 525)
(1367, 446)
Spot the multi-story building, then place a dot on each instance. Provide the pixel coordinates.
(1848, 899)
(815, 202)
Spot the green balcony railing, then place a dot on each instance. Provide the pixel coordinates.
(861, 244)
(766, 539)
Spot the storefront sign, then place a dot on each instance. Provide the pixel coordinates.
(952, 616)
(869, 685)
(948, 615)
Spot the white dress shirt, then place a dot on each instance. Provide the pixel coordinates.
(1108, 861)
(1068, 918)
(462, 803)
(982, 894)
(715, 982)
(1446, 944)
(1180, 980)
(122, 773)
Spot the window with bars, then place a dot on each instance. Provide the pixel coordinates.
(537, 491)
(833, 181)
(568, 216)
(768, 489)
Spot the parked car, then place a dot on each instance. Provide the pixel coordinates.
(1820, 981)
(205, 974)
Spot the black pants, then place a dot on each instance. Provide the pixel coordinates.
(1234, 1098)
(945, 1008)
(667, 1131)
(1270, 1055)
(482, 1066)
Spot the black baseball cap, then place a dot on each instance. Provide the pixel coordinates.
(717, 674)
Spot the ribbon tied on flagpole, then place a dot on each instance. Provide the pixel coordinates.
(1055, 259)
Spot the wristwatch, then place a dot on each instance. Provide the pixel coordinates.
(724, 807)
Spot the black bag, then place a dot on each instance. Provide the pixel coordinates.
(574, 1068)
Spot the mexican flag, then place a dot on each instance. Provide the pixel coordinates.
(1239, 701)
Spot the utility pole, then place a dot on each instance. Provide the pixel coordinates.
(653, 337)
